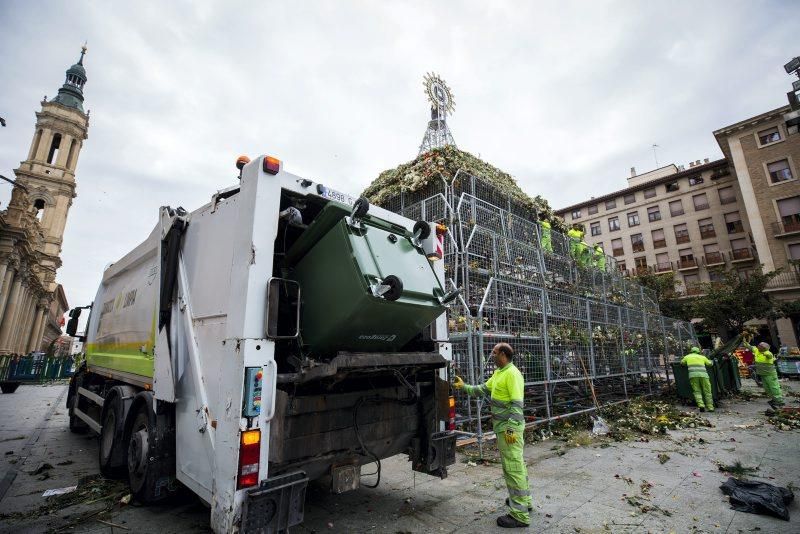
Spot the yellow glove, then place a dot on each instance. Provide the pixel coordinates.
(458, 383)
(510, 436)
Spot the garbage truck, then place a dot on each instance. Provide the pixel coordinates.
(283, 332)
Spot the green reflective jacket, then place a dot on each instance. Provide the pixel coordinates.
(697, 364)
(505, 391)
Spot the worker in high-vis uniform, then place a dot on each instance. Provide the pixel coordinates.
(575, 235)
(546, 238)
(765, 368)
(698, 378)
(505, 391)
(599, 257)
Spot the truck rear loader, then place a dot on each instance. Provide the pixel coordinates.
(281, 333)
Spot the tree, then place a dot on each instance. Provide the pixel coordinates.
(669, 301)
(729, 303)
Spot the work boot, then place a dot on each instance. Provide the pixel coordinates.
(773, 404)
(530, 508)
(507, 521)
(702, 408)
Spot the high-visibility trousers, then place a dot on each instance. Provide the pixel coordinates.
(515, 472)
(771, 386)
(701, 388)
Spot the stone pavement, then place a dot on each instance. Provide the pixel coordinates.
(583, 491)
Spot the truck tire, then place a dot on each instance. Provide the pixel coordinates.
(150, 450)
(76, 424)
(111, 450)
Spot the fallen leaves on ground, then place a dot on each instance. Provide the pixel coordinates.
(785, 420)
(736, 469)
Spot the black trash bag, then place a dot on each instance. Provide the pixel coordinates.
(758, 497)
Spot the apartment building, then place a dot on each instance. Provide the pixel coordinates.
(738, 212)
(689, 222)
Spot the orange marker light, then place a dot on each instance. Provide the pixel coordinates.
(251, 437)
(272, 165)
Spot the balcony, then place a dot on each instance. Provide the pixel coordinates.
(785, 280)
(663, 267)
(742, 254)
(686, 264)
(659, 243)
(714, 258)
(638, 247)
(705, 233)
(682, 237)
(727, 200)
(788, 226)
(693, 290)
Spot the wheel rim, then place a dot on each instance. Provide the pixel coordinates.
(137, 451)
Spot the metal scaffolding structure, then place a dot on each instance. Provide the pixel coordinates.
(572, 324)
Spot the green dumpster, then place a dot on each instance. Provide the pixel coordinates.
(684, 389)
(343, 271)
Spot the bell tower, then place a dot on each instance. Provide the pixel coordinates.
(48, 174)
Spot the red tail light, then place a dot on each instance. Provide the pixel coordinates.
(249, 455)
(451, 414)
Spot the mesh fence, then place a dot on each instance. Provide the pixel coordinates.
(572, 318)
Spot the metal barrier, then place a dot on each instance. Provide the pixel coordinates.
(35, 369)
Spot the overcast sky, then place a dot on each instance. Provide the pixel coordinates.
(564, 96)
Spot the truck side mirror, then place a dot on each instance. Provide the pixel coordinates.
(72, 325)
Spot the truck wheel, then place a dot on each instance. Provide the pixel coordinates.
(76, 424)
(111, 454)
(141, 473)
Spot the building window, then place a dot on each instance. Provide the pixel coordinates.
(789, 211)
(733, 223)
(38, 204)
(640, 264)
(672, 187)
(692, 284)
(681, 233)
(676, 208)
(621, 266)
(706, 228)
(630, 198)
(700, 202)
(726, 195)
(592, 209)
(686, 260)
(740, 250)
(779, 171)
(611, 204)
(658, 238)
(794, 252)
(637, 243)
(712, 254)
(695, 180)
(613, 224)
(716, 276)
(633, 218)
(52, 156)
(576, 214)
(595, 228)
(653, 213)
(650, 193)
(662, 262)
(616, 248)
(768, 136)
